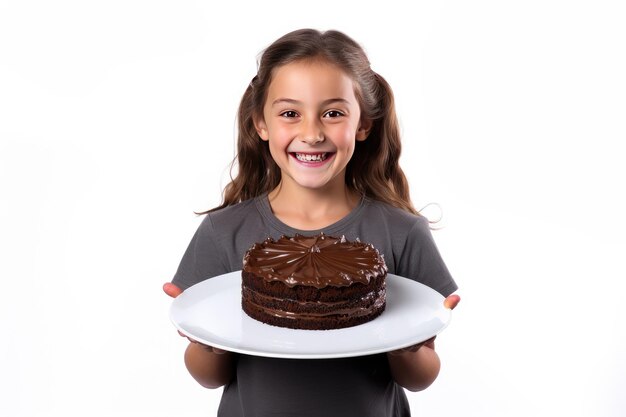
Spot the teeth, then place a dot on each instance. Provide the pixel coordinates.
(305, 157)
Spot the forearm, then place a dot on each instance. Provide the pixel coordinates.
(211, 370)
(415, 371)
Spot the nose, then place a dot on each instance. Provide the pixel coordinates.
(311, 132)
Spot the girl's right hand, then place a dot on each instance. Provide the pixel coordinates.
(174, 291)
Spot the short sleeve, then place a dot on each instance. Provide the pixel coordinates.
(202, 259)
(420, 260)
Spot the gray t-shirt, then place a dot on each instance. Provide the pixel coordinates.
(359, 387)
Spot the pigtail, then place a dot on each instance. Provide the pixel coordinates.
(256, 171)
(374, 170)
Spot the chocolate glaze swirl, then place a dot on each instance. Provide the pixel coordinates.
(317, 261)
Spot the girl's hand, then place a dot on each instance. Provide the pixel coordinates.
(450, 302)
(173, 291)
(430, 343)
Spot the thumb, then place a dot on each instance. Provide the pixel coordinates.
(172, 289)
(451, 301)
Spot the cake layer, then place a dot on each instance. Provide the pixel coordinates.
(305, 293)
(313, 316)
(313, 309)
(316, 283)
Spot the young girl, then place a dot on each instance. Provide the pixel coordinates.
(318, 151)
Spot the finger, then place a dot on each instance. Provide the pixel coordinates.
(172, 290)
(218, 351)
(451, 301)
(414, 348)
(410, 349)
(430, 343)
(209, 348)
(181, 334)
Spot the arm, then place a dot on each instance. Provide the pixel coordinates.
(209, 366)
(416, 368)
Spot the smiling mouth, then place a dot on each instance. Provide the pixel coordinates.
(311, 157)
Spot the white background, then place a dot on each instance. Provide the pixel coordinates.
(117, 123)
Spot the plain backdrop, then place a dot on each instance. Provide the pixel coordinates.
(117, 122)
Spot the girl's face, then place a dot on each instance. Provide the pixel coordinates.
(311, 119)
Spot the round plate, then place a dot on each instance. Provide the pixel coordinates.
(210, 312)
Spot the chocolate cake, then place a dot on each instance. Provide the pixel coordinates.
(316, 283)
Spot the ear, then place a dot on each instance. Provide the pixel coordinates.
(261, 128)
(364, 130)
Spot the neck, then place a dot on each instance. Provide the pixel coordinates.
(311, 209)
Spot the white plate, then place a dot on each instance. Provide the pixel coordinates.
(210, 312)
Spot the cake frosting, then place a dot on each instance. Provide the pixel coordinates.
(313, 282)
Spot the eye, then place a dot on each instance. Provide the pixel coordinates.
(289, 114)
(333, 113)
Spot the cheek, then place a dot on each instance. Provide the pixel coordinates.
(345, 136)
(279, 142)
(281, 134)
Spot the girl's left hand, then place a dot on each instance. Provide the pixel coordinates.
(450, 302)
(174, 291)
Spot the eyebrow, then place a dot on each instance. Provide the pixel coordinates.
(324, 103)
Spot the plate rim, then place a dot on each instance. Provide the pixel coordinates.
(294, 355)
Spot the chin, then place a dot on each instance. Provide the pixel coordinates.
(310, 183)
(312, 186)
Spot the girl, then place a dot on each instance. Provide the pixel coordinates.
(318, 149)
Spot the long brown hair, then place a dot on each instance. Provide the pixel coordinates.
(373, 170)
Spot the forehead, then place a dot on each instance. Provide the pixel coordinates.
(311, 79)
